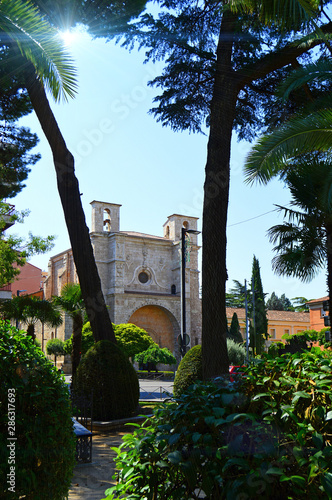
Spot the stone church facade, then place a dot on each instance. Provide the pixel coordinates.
(140, 275)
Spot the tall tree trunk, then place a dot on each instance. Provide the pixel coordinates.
(73, 211)
(216, 191)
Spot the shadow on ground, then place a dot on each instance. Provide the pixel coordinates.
(91, 480)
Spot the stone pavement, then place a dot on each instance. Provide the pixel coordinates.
(91, 480)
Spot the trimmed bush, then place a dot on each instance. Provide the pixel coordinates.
(189, 370)
(55, 347)
(106, 371)
(35, 409)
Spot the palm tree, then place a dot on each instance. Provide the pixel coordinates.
(298, 153)
(30, 310)
(71, 301)
(44, 64)
(304, 243)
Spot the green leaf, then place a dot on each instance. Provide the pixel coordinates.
(174, 438)
(175, 457)
(326, 481)
(274, 471)
(196, 436)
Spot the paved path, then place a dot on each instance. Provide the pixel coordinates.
(91, 480)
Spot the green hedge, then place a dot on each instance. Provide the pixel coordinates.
(34, 400)
(106, 371)
(269, 438)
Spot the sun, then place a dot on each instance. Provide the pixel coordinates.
(68, 37)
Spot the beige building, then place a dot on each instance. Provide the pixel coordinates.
(140, 275)
(279, 322)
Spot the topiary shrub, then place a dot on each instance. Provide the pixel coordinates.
(106, 371)
(35, 410)
(189, 370)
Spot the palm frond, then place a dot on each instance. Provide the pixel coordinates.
(320, 70)
(287, 14)
(40, 43)
(272, 153)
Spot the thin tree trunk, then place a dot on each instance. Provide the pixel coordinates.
(216, 190)
(73, 211)
(31, 331)
(77, 342)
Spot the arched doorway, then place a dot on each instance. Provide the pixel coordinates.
(159, 323)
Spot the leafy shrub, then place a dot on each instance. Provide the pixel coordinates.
(270, 438)
(156, 355)
(87, 340)
(106, 371)
(132, 339)
(189, 370)
(34, 397)
(275, 347)
(236, 353)
(55, 347)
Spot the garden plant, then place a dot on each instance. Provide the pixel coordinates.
(265, 436)
(35, 411)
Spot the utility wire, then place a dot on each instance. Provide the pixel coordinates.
(252, 218)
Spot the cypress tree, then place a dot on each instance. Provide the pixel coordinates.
(259, 330)
(234, 331)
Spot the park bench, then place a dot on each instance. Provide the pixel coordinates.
(82, 425)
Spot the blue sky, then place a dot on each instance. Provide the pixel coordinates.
(124, 156)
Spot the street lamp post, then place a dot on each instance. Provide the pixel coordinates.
(183, 347)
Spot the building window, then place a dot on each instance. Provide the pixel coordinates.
(143, 277)
(173, 289)
(286, 332)
(272, 333)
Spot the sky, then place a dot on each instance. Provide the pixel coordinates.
(122, 155)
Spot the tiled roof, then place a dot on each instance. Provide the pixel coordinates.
(316, 301)
(299, 317)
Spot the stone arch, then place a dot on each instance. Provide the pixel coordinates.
(160, 323)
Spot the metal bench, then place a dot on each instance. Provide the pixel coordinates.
(82, 424)
(83, 442)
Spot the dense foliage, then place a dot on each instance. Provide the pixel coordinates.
(35, 409)
(258, 327)
(281, 303)
(30, 310)
(236, 353)
(267, 437)
(106, 372)
(14, 250)
(189, 370)
(55, 347)
(130, 338)
(234, 330)
(156, 355)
